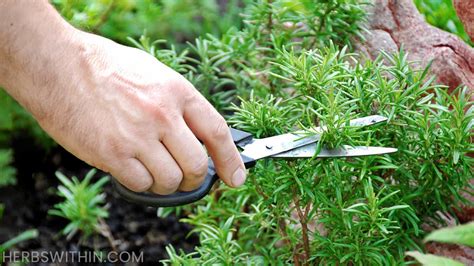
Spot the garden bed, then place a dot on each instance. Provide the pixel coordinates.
(135, 228)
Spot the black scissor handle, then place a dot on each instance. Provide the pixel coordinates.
(182, 198)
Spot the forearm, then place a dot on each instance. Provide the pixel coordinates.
(34, 41)
(115, 107)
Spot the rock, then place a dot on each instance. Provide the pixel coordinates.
(465, 10)
(397, 23)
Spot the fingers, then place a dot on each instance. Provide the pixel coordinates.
(179, 163)
(211, 128)
(132, 174)
(188, 153)
(166, 173)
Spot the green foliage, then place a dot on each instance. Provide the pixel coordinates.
(333, 20)
(288, 66)
(27, 235)
(173, 20)
(461, 235)
(432, 260)
(15, 119)
(367, 209)
(359, 211)
(82, 204)
(7, 173)
(224, 67)
(24, 236)
(218, 239)
(441, 13)
(263, 117)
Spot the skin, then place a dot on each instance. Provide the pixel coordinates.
(114, 107)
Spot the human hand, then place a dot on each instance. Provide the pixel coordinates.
(122, 111)
(132, 116)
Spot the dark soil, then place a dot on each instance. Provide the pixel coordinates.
(135, 228)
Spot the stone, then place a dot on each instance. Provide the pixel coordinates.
(465, 11)
(393, 24)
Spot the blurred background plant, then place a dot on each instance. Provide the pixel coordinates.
(82, 205)
(461, 235)
(27, 235)
(441, 13)
(24, 236)
(176, 21)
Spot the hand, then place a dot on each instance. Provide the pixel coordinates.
(122, 111)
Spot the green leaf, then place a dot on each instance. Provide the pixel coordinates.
(461, 234)
(29, 234)
(432, 260)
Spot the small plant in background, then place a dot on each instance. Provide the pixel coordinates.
(173, 20)
(7, 173)
(461, 235)
(27, 235)
(82, 205)
(13, 119)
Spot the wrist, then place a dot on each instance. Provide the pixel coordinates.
(35, 46)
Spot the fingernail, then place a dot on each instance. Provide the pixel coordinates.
(238, 178)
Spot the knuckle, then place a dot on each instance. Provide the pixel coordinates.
(159, 111)
(220, 131)
(133, 182)
(232, 159)
(168, 185)
(198, 169)
(113, 148)
(177, 84)
(140, 184)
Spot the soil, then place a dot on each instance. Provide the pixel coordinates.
(135, 228)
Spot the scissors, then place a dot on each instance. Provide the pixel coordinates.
(290, 145)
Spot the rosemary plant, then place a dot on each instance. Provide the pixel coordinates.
(82, 204)
(173, 20)
(7, 172)
(460, 234)
(289, 69)
(289, 66)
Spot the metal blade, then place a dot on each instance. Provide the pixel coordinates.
(345, 151)
(359, 122)
(261, 148)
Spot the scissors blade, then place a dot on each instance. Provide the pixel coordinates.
(344, 151)
(261, 148)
